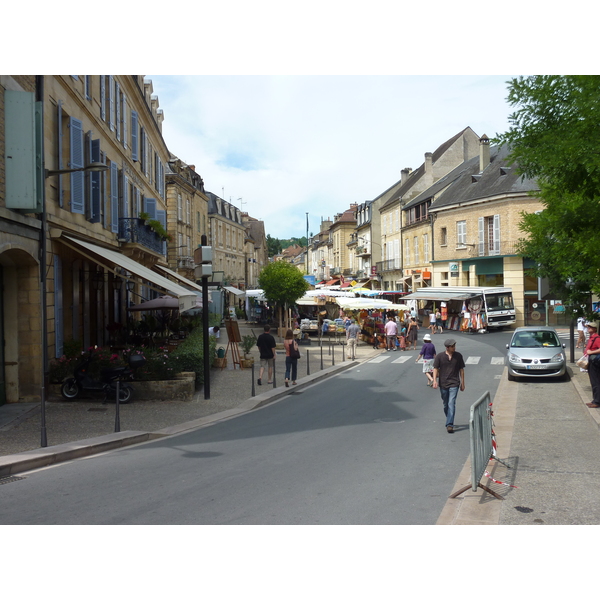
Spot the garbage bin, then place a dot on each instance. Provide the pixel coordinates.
(221, 353)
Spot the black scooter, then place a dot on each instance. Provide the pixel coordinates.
(73, 387)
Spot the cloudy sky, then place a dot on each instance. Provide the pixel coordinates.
(281, 146)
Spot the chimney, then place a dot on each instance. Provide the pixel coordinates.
(192, 167)
(484, 152)
(404, 175)
(428, 178)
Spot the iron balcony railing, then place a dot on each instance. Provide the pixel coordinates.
(393, 264)
(135, 231)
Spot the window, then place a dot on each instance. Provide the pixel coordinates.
(443, 236)
(179, 208)
(76, 160)
(461, 234)
(489, 235)
(416, 243)
(134, 135)
(407, 252)
(426, 247)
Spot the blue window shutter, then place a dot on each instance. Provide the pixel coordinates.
(114, 198)
(95, 184)
(118, 110)
(125, 195)
(59, 149)
(111, 97)
(150, 207)
(134, 135)
(124, 117)
(76, 162)
(102, 97)
(161, 217)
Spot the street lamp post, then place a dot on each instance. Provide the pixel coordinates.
(43, 283)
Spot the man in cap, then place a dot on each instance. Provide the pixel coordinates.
(449, 376)
(592, 348)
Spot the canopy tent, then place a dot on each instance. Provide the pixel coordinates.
(443, 296)
(234, 291)
(365, 304)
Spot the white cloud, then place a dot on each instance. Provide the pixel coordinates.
(289, 145)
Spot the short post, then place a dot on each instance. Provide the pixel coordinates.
(333, 355)
(321, 358)
(253, 390)
(117, 403)
(307, 364)
(274, 374)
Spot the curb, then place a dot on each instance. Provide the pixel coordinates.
(43, 457)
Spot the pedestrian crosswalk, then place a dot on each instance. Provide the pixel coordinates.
(470, 360)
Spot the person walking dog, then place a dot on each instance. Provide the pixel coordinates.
(449, 376)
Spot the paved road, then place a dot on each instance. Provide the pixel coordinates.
(367, 446)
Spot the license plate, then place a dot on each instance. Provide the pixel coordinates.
(536, 367)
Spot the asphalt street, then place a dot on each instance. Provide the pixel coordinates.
(367, 446)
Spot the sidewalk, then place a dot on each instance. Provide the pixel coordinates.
(544, 432)
(550, 440)
(87, 426)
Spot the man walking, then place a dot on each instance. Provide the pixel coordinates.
(352, 339)
(266, 345)
(449, 375)
(391, 331)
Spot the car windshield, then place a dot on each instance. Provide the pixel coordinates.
(535, 339)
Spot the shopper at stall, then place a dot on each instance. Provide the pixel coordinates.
(427, 353)
(352, 334)
(412, 334)
(391, 331)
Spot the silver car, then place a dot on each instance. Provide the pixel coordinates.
(536, 352)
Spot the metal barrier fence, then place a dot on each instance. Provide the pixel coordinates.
(481, 440)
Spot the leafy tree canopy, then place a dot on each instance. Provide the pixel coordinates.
(275, 245)
(282, 283)
(554, 138)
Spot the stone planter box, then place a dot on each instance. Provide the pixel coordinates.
(181, 388)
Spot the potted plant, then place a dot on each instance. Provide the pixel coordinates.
(248, 342)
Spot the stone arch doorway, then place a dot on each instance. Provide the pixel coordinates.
(20, 326)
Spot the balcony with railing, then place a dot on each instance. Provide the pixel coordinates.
(393, 264)
(493, 248)
(135, 231)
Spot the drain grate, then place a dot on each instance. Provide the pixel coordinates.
(4, 480)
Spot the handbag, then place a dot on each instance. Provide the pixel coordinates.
(294, 351)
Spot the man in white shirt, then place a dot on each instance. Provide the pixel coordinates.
(391, 331)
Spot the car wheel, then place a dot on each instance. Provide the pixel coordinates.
(511, 377)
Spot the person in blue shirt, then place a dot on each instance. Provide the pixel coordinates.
(428, 354)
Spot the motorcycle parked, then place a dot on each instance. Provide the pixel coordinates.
(81, 381)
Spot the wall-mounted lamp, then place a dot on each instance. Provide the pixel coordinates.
(94, 167)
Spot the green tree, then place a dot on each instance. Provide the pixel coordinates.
(554, 138)
(273, 246)
(282, 284)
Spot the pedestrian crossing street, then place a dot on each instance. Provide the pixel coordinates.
(471, 360)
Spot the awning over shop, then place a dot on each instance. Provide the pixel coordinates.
(444, 296)
(181, 278)
(234, 290)
(187, 298)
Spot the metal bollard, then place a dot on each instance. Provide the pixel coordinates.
(117, 406)
(321, 358)
(307, 364)
(333, 355)
(253, 390)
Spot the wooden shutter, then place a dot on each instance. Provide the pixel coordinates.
(496, 234)
(150, 207)
(95, 185)
(134, 135)
(481, 235)
(114, 198)
(76, 162)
